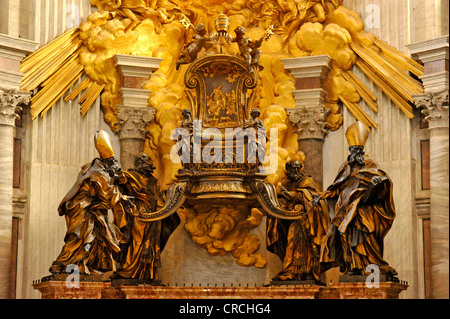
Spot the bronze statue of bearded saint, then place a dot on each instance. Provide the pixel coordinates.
(92, 239)
(140, 254)
(298, 242)
(361, 209)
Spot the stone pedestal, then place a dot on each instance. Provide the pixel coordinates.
(104, 290)
(133, 114)
(434, 54)
(83, 290)
(309, 114)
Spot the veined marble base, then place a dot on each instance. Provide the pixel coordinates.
(183, 261)
(104, 290)
(359, 290)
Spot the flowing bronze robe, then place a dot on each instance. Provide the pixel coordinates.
(304, 236)
(358, 229)
(141, 254)
(91, 239)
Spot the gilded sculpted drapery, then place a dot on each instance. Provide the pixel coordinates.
(92, 238)
(359, 225)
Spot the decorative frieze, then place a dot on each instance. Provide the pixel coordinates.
(135, 97)
(316, 66)
(12, 51)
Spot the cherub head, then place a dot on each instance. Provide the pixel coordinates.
(200, 29)
(240, 31)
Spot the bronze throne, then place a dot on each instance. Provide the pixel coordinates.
(225, 170)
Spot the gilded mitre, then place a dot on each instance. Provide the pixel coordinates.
(103, 144)
(356, 134)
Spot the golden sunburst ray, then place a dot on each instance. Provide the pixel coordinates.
(55, 67)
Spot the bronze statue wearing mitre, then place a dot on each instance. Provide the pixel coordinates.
(361, 209)
(92, 238)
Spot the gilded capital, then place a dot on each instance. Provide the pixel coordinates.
(435, 108)
(309, 121)
(133, 121)
(10, 101)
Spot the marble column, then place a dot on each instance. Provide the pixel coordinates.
(133, 113)
(309, 114)
(434, 55)
(311, 130)
(133, 122)
(10, 101)
(435, 107)
(12, 51)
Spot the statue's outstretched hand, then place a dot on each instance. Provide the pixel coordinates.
(376, 180)
(285, 192)
(128, 202)
(316, 200)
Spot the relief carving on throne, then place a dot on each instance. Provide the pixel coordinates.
(221, 82)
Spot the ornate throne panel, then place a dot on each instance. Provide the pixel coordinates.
(220, 82)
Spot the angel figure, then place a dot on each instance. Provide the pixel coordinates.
(218, 102)
(302, 11)
(191, 50)
(136, 10)
(249, 49)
